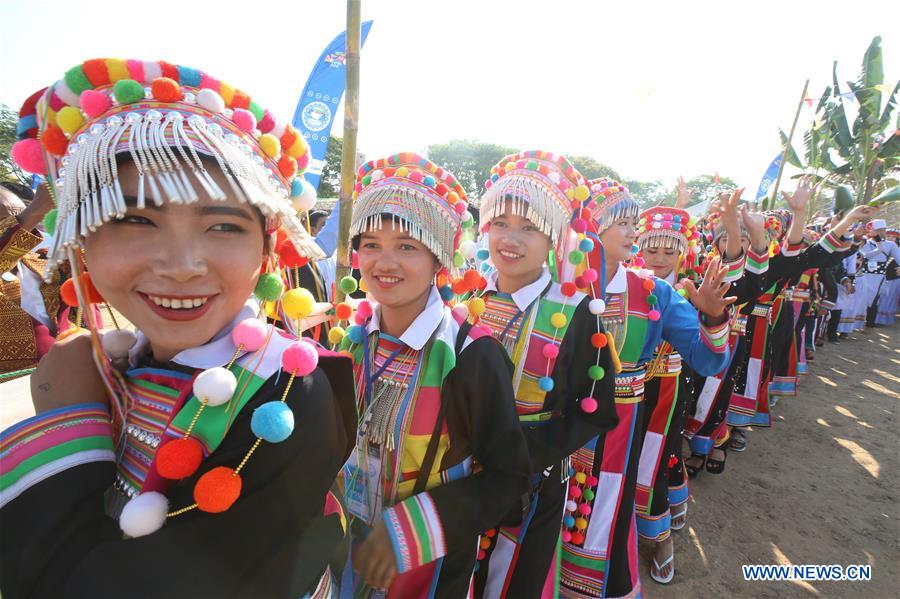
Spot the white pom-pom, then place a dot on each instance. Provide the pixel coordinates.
(211, 100)
(117, 343)
(467, 248)
(461, 311)
(144, 514)
(571, 506)
(216, 386)
(597, 306)
(306, 200)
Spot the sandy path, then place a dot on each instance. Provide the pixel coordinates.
(821, 487)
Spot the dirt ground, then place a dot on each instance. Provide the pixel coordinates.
(822, 486)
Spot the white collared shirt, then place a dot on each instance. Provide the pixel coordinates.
(422, 328)
(525, 296)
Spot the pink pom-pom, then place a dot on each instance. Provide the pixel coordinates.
(94, 103)
(250, 333)
(563, 185)
(566, 536)
(550, 351)
(579, 225)
(244, 119)
(416, 176)
(481, 554)
(638, 262)
(359, 319)
(588, 405)
(460, 208)
(584, 509)
(574, 492)
(303, 162)
(653, 315)
(300, 358)
(29, 156)
(590, 275)
(364, 308)
(592, 481)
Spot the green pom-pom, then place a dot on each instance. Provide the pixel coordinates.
(588, 495)
(458, 259)
(531, 165)
(682, 293)
(576, 257)
(77, 81)
(50, 222)
(128, 91)
(366, 180)
(269, 287)
(348, 285)
(256, 110)
(651, 300)
(596, 372)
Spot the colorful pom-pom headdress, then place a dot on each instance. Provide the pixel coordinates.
(164, 117)
(541, 187)
(669, 228)
(612, 201)
(423, 199)
(717, 229)
(777, 224)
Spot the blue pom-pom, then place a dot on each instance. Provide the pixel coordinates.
(356, 334)
(429, 181)
(296, 187)
(569, 521)
(273, 422)
(483, 254)
(586, 245)
(545, 383)
(447, 293)
(494, 178)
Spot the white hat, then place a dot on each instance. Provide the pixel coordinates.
(879, 223)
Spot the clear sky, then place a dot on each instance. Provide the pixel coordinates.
(653, 89)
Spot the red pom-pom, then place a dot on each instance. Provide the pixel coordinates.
(166, 90)
(579, 225)
(70, 298)
(287, 166)
(580, 282)
(458, 286)
(649, 284)
(343, 311)
(29, 156)
(179, 458)
(471, 278)
(67, 293)
(289, 256)
(217, 490)
(568, 289)
(441, 189)
(577, 538)
(599, 340)
(54, 140)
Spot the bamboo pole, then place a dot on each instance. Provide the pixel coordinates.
(788, 145)
(348, 158)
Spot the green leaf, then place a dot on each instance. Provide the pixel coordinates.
(889, 195)
(792, 157)
(885, 121)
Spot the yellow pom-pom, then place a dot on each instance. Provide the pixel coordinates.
(69, 119)
(582, 193)
(402, 172)
(298, 148)
(363, 286)
(581, 523)
(298, 303)
(558, 320)
(270, 145)
(580, 477)
(510, 166)
(336, 335)
(476, 306)
(570, 193)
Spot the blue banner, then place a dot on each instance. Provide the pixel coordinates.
(319, 102)
(768, 178)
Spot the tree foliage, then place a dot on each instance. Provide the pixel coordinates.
(330, 182)
(470, 160)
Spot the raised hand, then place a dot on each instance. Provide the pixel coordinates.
(683, 195)
(799, 200)
(727, 205)
(755, 223)
(710, 298)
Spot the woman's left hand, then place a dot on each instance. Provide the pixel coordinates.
(710, 298)
(374, 558)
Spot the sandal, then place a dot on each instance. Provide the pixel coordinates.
(738, 441)
(714, 466)
(655, 575)
(694, 470)
(683, 515)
